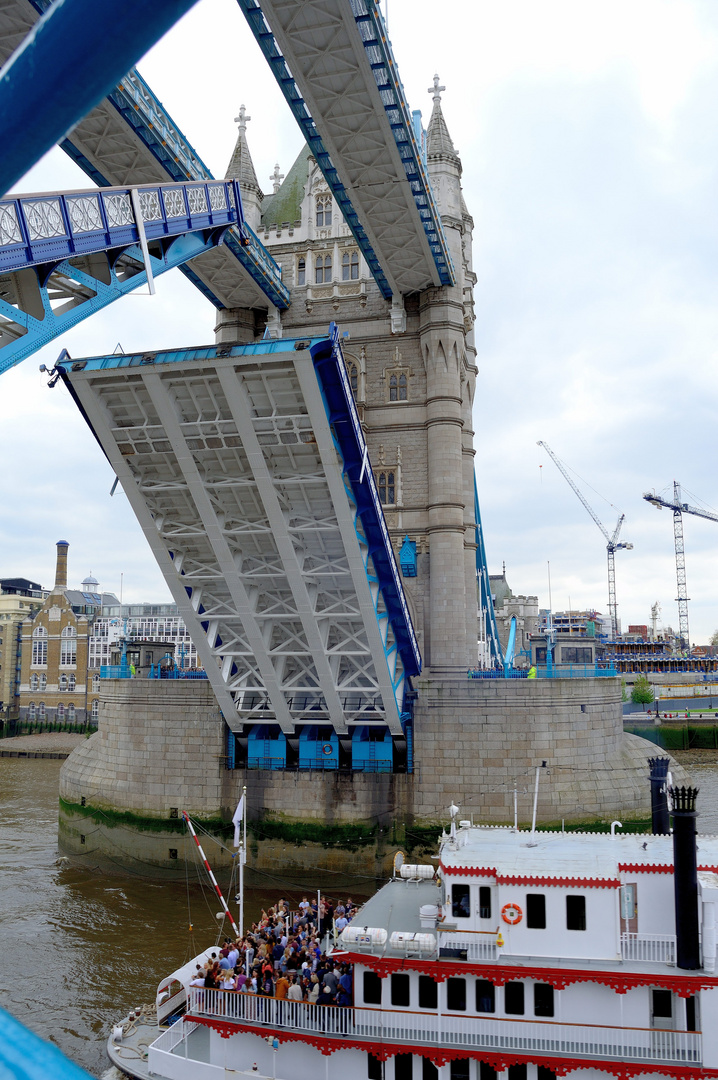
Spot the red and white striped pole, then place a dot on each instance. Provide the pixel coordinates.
(208, 868)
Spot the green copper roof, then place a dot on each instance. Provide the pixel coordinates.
(286, 205)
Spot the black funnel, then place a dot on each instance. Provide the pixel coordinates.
(659, 796)
(685, 877)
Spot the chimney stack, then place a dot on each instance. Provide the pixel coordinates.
(659, 795)
(685, 877)
(61, 566)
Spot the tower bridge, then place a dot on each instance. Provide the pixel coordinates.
(277, 473)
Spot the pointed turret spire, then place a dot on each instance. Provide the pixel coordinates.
(241, 167)
(438, 140)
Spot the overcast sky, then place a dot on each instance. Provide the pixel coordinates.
(588, 134)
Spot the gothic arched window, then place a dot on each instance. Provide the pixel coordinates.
(68, 646)
(324, 211)
(353, 373)
(323, 269)
(62, 683)
(302, 272)
(43, 681)
(398, 386)
(31, 711)
(95, 709)
(350, 266)
(39, 646)
(71, 683)
(34, 681)
(60, 712)
(387, 488)
(71, 713)
(95, 683)
(41, 711)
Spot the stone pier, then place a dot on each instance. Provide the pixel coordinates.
(160, 749)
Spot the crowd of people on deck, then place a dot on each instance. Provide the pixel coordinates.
(282, 956)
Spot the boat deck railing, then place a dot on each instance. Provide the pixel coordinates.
(405, 1026)
(650, 948)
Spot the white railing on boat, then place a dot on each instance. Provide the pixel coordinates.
(654, 948)
(448, 1029)
(173, 1036)
(478, 947)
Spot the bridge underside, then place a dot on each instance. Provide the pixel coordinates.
(243, 467)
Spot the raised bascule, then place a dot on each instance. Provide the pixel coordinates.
(307, 482)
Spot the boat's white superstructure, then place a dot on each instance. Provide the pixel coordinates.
(527, 955)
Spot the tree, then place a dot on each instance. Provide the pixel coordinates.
(642, 692)
(714, 638)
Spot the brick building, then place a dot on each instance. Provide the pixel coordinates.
(55, 683)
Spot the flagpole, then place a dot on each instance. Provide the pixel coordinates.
(242, 858)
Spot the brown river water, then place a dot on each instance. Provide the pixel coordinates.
(78, 949)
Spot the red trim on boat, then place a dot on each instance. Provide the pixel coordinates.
(441, 1055)
(499, 974)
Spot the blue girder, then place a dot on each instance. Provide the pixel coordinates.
(265, 37)
(339, 402)
(70, 60)
(486, 603)
(376, 44)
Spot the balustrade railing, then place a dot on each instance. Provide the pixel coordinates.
(653, 948)
(448, 1029)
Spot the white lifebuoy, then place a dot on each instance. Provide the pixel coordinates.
(511, 914)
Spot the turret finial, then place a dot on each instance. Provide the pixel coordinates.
(242, 120)
(276, 178)
(436, 90)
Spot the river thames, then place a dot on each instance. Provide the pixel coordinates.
(80, 948)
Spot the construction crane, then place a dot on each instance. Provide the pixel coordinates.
(612, 545)
(679, 509)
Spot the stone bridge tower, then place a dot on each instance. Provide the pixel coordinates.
(412, 367)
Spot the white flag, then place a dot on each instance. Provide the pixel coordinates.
(237, 820)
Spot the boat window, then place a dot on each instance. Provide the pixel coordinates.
(400, 990)
(575, 912)
(691, 1014)
(403, 1066)
(456, 995)
(543, 999)
(485, 996)
(460, 1069)
(372, 988)
(662, 1004)
(429, 1070)
(514, 998)
(461, 901)
(536, 911)
(428, 995)
(517, 1072)
(484, 902)
(375, 1068)
(542, 1073)
(486, 1072)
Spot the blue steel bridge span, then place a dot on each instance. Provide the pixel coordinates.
(246, 466)
(247, 469)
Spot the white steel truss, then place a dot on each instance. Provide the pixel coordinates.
(231, 467)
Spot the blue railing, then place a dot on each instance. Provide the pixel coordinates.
(123, 671)
(557, 671)
(36, 229)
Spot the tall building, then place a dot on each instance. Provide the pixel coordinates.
(54, 681)
(412, 367)
(18, 599)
